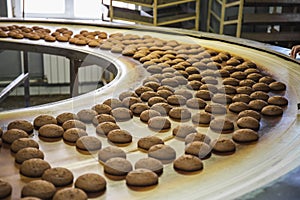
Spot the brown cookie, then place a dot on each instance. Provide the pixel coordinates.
(248, 122)
(117, 166)
(245, 135)
(113, 103)
(73, 134)
(215, 108)
(260, 95)
(202, 118)
(110, 152)
(147, 142)
(105, 127)
(38, 188)
(34, 167)
(90, 182)
(221, 98)
(138, 108)
(98, 119)
(150, 164)
(183, 130)
(162, 152)
(199, 149)
(86, 115)
(180, 113)
(125, 94)
(204, 94)
(278, 101)
(58, 176)
(51, 131)
(159, 123)
(23, 143)
(257, 104)
(141, 178)
(63, 117)
(119, 136)
(223, 145)
(122, 114)
(21, 124)
(41, 120)
(188, 163)
(176, 100)
(5, 189)
(88, 143)
(162, 108)
(73, 123)
(197, 137)
(250, 113)
(28, 153)
(129, 101)
(270, 110)
(70, 193)
(221, 125)
(238, 107)
(102, 109)
(241, 98)
(277, 86)
(11, 135)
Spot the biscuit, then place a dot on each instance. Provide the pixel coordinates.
(145, 96)
(23, 143)
(73, 134)
(102, 109)
(238, 107)
(202, 118)
(122, 114)
(138, 108)
(245, 135)
(41, 120)
(88, 143)
(110, 152)
(221, 98)
(119, 136)
(154, 69)
(159, 123)
(277, 86)
(223, 145)
(257, 104)
(250, 113)
(125, 94)
(70, 193)
(183, 130)
(86, 115)
(204, 94)
(34, 167)
(103, 118)
(21, 124)
(117, 166)
(215, 108)
(165, 87)
(176, 100)
(63, 117)
(153, 85)
(247, 82)
(180, 113)
(129, 101)
(239, 75)
(105, 127)
(58, 176)
(244, 90)
(266, 79)
(147, 114)
(38, 188)
(113, 103)
(221, 125)
(227, 89)
(28, 153)
(172, 82)
(278, 101)
(260, 95)
(73, 123)
(194, 85)
(11, 135)
(196, 103)
(162, 152)
(140, 90)
(141, 178)
(5, 189)
(248, 122)
(231, 81)
(199, 149)
(197, 137)
(241, 98)
(147, 142)
(254, 76)
(209, 80)
(188, 163)
(90, 182)
(155, 100)
(51, 131)
(150, 164)
(162, 108)
(270, 110)
(261, 87)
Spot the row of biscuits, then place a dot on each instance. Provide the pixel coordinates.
(184, 78)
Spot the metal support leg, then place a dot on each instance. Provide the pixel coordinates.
(74, 65)
(26, 81)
